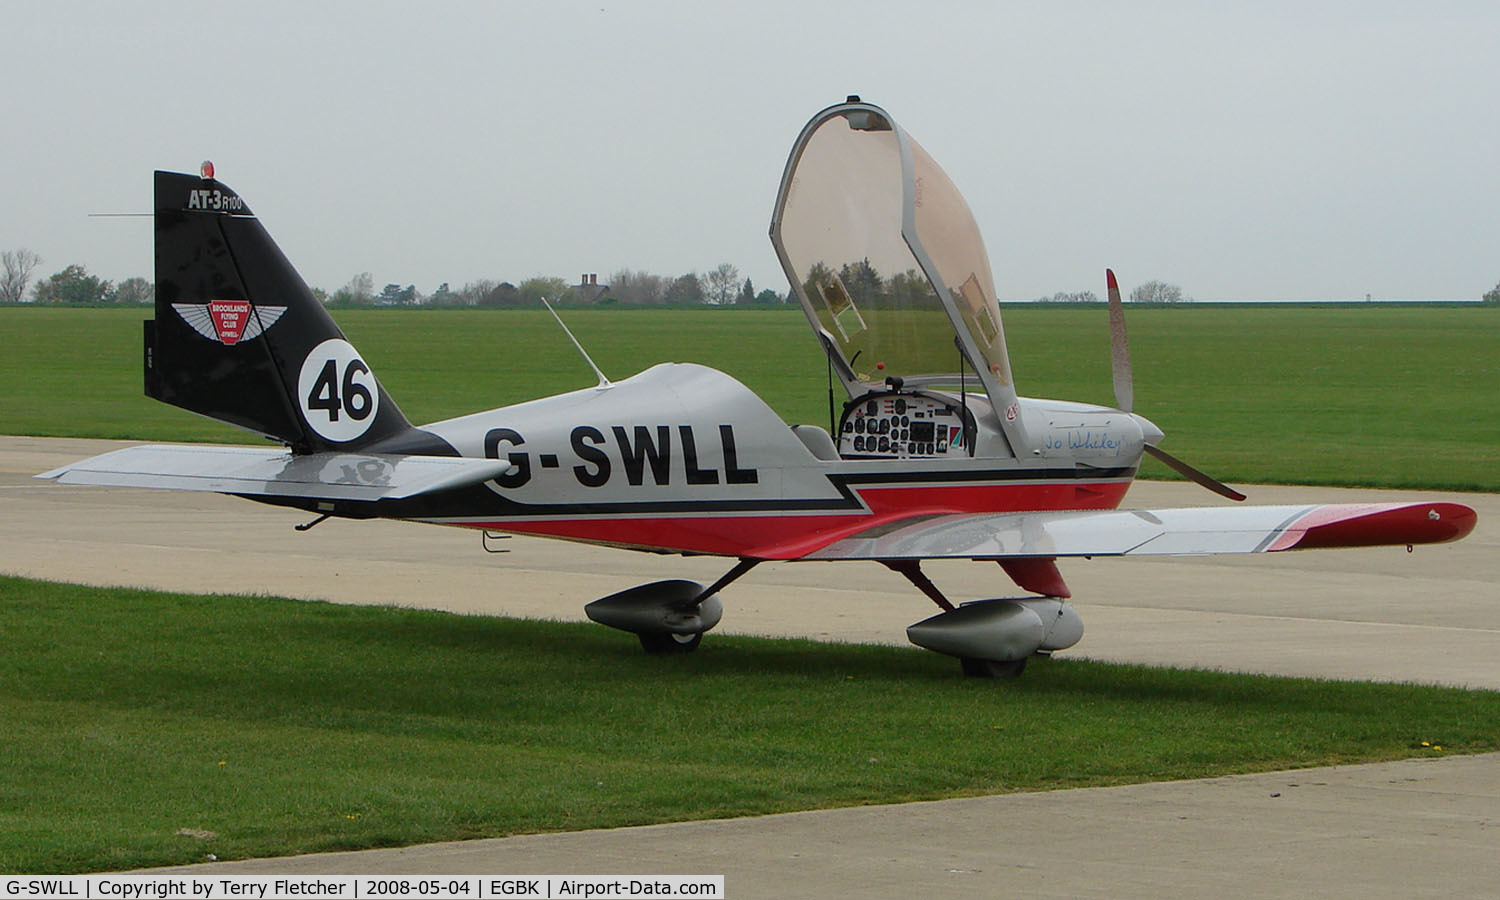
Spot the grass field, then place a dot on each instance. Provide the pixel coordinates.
(281, 727)
(1390, 396)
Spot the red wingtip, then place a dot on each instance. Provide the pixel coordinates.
(1109, 275)
(1374, 524)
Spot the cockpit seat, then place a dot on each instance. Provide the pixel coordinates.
(817, 441)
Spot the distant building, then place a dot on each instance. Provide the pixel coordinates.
(589, 289)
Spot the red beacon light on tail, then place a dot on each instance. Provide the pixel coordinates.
(206, 169)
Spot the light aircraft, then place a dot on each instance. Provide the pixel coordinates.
(931, 454)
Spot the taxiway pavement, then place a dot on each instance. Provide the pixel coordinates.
(1410, 829)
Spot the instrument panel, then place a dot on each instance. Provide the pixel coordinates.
(902, 426)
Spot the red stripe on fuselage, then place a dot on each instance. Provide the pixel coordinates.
(792, 535)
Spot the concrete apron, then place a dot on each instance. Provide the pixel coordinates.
(1415, 828)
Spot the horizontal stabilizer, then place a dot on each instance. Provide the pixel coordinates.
(278, 473)
(1157, 532)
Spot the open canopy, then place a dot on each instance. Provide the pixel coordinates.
(886, 258)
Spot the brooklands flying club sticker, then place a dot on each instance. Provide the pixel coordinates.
(228, 321)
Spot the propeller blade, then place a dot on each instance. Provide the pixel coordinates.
(1119, 347)
(1119, 353)
(1192, 474)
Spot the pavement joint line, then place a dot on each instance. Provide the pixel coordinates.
(1329, 619)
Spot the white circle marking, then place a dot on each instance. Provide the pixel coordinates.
(340, 401)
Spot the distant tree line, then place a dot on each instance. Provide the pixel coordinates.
(869, 289)
(1074, 297)
(73, 284)
(862, 283)
(720, 286)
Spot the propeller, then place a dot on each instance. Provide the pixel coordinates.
(1119, 352)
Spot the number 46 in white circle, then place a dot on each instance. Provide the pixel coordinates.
(337, 391)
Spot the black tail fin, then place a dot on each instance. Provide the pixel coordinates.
(239, 337)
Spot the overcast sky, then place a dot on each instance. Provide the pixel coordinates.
(1264, 150)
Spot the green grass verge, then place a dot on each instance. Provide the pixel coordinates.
(1383, 396)
(291, 727)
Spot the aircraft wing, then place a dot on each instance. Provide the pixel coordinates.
(278, 473)
(1140, 532)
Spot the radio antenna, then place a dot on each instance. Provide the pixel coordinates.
(603, 382)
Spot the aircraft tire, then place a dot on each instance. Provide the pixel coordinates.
(990, 668)
(667, 643)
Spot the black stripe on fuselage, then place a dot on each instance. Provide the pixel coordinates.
(482, 502)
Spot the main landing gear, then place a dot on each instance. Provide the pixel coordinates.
(991, 638)
(669, 617)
